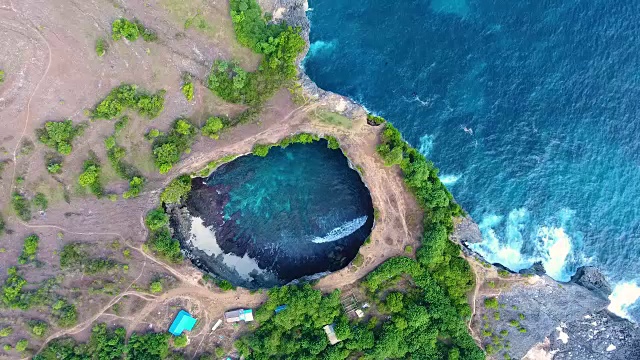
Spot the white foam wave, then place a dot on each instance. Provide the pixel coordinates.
(426, 145)
(624, 295)
(449, 180)
(320, 46)
(550, 245)
(556, 246)
(341, 231)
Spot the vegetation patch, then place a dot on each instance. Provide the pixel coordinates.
(279, 44)
(213, 127)
(115, 154)
(21, 206)
(131, 30)
(29, 249)
(187, 87)
(177, 190)
(73, 256)
(167, 149)
(90, 177)
(160, 239)
(101, 47)
(58, 135)
(129, 97)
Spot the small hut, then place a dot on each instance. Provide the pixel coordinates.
(331, 334)
(239, 315)
(183, 322)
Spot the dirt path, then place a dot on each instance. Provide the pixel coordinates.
(29, 24)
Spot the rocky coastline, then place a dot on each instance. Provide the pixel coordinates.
(564, 320)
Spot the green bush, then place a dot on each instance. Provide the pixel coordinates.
(135, 187)
(168, 148)
(156, 219)
(374, 120)
(187, 90)
(22, 345)
(101, 47)
(160, 239)
(54, 167)
(58, 135)
(38, 327)
(120, 124)
(65, 314)
(156, 287)
(177, 190)
(1, 76)
(129, 97)
(260, 150)
(40, 201)
(21, 206)
(124, 28)
(212, 127)
(6, 331)
(491, 303)
(180, 341)
(29, 249)
(90, 177)
(358, 260)
(71, 256)
(225, 285)
(332, 142)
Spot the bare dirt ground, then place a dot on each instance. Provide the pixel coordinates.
(53, 73)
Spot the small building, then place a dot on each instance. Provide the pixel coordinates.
(239, 315)
(331, 334)
(183, 322)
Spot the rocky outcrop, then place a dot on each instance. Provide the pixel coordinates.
(592, 279)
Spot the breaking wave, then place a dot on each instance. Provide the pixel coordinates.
(426, 145)
(549, 245)
(449, 180)
(318, 47)
(623, 298)
(342, 231)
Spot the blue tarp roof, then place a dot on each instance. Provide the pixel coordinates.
(280, 308)
(183, 321)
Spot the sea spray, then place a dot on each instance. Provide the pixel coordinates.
(623, 298)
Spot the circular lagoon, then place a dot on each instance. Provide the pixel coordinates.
(299, 212)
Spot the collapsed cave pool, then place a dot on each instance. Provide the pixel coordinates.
(300, 212)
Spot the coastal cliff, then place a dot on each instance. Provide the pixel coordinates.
(535, 317)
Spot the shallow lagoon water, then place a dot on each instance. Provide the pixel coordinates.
(529, 108)
(297, 212)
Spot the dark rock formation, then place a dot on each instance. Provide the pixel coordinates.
(466, 231)
(592, 279)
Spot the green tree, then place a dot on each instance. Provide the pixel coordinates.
(59, 135)
(177, 190)
(212, 127)
(180, 341)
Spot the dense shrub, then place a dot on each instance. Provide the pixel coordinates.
(160, 239)
(168, 148)
(131, 30)
(187, 90)
(21, 206)
(212, 127)
(90, 177)
(1, 76)
(135, 187)
(180, 341)
(58, 135)
(177, 190)
(29, 249)
(38, 328)
(129, 97)
(101, 47)
(40, 201)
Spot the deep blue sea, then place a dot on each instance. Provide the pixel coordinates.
(531, 109)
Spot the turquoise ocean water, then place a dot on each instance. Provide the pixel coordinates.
(531, 109)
